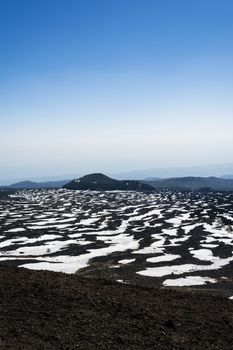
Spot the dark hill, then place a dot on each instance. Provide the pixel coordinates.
(5, 193)
(101, 182)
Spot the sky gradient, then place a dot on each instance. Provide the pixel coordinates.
(114, 85)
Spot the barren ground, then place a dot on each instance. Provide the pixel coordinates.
(50, 310)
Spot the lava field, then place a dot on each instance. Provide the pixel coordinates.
(165, 239)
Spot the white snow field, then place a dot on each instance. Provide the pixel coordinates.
(158, 235)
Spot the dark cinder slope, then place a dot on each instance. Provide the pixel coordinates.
(54, 311)
(101, 182)
(193, 183)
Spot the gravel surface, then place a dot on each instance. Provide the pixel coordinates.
(49, 310)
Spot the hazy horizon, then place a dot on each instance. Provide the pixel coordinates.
(217, 170)
(112, 86)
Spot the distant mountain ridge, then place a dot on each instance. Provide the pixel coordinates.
(101, 182)
(35, 185)
(193, 183)
(98, 181)
(216, 170)
(227, 177)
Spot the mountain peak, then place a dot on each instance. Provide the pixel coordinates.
(101, 182)
(95, 177)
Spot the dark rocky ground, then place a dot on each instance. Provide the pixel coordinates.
(104, 237)
(48, 310)
(152, 240)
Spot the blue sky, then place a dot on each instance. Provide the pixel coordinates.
(114, 85)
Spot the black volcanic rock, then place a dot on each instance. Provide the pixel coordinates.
(57, 311)
(4, 193)
(101, 182)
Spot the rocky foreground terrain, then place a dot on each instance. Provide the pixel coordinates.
(44, 310)
(142, 270)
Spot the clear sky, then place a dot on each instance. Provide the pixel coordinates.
(114, 85)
